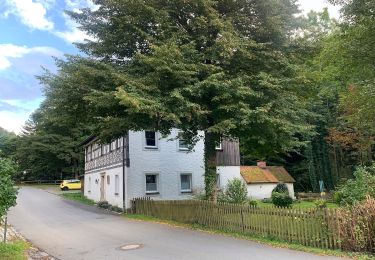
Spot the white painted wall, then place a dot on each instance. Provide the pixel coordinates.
(93, 192)
(167, 161)
(227, 173)
(264, 190)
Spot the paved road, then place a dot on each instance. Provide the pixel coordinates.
(68, 230)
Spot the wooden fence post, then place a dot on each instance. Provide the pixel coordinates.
(5, 228)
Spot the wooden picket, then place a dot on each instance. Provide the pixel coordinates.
(309, 227)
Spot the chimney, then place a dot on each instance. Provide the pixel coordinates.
(261, 164)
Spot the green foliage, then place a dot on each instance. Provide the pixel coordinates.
(267, 200)
(217, 66)
(14, 250)
(8, 193)
(280, 196)
(116, 209)
(252, 203)
(78, 196)
(236, 191)
(103, 204)
(355, 190)
(281, 199)
(320, 203)
(281, 188)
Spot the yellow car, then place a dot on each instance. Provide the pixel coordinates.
(70, 185)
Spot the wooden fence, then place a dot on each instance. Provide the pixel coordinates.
(317, 228)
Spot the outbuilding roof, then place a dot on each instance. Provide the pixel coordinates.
(268, 174)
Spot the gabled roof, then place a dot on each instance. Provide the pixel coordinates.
(87, 140)
(268, 174)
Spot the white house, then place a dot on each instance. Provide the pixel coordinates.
(144, 164)
(262, 179)
(162, 168)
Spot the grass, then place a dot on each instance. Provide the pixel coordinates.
(40, 186)
(79, 197)
(259, 239)
(13, 250)
(300, 205)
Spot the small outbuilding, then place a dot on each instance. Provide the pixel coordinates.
(262, 179)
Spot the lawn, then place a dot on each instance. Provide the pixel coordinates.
(13, 250)
(300, 205)
(78, 196)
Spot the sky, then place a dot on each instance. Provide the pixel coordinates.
(32, 32)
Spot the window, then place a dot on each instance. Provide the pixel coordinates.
(185, 182)
(219, 146)
(108, 180)
(117, 185)
(182, 144)
(89, 186)
(89, 154)
(150, 139)
(218, 181)
(151, 183)
(113, 145)
(119, 143)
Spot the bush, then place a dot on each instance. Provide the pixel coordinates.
(356, 190)
(281, 188)
(103, 204)
(357, 226)
(267, 200)
(236, 191)
(280, 196)
(281, 199)
(116, 209)
(8, 193)
(320, 204)
(252, 203)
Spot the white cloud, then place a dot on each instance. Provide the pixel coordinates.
(31, 14)
(73, 33)
(14, 120)
(9, 51)
(317, 5)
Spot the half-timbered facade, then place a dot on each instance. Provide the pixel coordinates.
(142, 164)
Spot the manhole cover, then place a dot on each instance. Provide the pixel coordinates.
(130, 247)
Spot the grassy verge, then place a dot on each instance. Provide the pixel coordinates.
(300, 205)
(79, 197)
(14, 250)
(259, 239)
(41, 186)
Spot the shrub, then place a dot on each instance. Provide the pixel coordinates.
(280, 196)
(252, 203)
(337, 197)
(357, 189)
(116, 209)
(320, 204)
(281, 188)
(357, 226)
(103, 204)
(281, 199)
(236, 191)
(267, 200)
(8, 193)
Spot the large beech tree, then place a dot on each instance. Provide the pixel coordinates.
(217, 66)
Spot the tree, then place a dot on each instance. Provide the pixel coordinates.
(8, 193)
(216, 66)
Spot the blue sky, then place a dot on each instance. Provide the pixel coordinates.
(34, 31)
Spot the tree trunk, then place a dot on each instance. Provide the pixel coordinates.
(210, 166)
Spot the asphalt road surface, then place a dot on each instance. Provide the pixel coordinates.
(68, 230)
